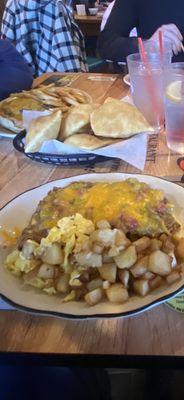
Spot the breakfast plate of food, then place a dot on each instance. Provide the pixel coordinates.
(93, 246)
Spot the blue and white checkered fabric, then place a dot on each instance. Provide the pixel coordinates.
(46, 34)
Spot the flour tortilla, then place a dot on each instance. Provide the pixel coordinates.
(41, 129)
(77, 119)
(118, 119)
(88, 142)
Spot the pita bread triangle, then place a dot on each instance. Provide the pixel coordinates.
(118, 119)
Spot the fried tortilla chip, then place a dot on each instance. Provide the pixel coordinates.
(77, 118)
(88, 142)
(41, 129)
(118, 119)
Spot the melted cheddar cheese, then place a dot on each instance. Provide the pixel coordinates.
(130, 203)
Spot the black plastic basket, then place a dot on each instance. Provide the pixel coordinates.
(86, 159)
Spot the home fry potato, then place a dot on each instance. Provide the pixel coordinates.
(141, 287)
(124, 275)
(108, 272)
(173, 277)
(142, 244)
(155, 244)
(46, 271)
(94, 284)
(53, 255)
(127, 258)
(159, 263)
(140, 267)
(117, 293)
(80, 260)
(156, 282)
(180, 249)
(94, 297)
(63, 283)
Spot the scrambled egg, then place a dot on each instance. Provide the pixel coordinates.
(17, 263)
(70, 232)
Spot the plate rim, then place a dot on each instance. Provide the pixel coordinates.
(134, 312)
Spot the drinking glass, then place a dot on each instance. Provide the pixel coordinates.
(146, 82)
(152, 47)
(174, 106)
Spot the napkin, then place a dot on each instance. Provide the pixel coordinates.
(132, 150)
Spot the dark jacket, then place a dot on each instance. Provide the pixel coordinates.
(147, 16)
(15, 74)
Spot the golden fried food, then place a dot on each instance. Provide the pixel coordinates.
(76, 119)
(88, 142)
(118, 119)
(41, 129)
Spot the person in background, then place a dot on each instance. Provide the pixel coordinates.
(106, 17)
(148, 17)
(45, 33)
(15, 73)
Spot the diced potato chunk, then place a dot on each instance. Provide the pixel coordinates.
(97, 248)
(156, 282)
(108, 272)
(94, 297)
(106, 284)
(104, 237)
(63, 283)
(141, 287)
(46, 271)
(94, 284)
(160, 263)
(173, 277)
(121, 240)
(180, 249)
(168, 246)
(181, 268)
(140, 267)
(126, 258)
(117, 293)
(124, 275)
(148, 275)
(155, 244)
(114, 251)
(103, 224)
(53, 254)
(142, 244)
(28, 248)
(89, 259)
(106, 258)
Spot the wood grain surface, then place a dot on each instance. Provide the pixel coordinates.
(89, 24)
(155, 332)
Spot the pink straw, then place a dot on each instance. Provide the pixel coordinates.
(148, 78)
(160, 38)
(142, 51)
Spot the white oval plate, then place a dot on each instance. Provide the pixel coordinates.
(126, 79)
(18, 212)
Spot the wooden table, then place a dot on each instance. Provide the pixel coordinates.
(158, 332)
(89, 24)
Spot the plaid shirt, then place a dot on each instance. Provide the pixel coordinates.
(46, 34)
